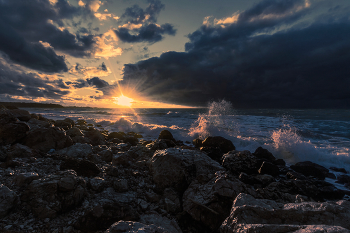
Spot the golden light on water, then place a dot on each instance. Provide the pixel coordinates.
(124, 101)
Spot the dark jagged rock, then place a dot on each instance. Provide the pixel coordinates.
(65, 124)
(166, 134)
(279, 162)
(225, 145)
(269, 168)
(129, 226)
(197, 143)
(118, 135)
(295, 175)
(343, 179)
(55, 194)
(11, 130)
(95, 137)
(309, 168)
(20, 114)
(241, 161)
(81, 167)
(8, 200)
(262, 153)
(338, 169)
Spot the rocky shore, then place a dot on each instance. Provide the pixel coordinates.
(68, 176)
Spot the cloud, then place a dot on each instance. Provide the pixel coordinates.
(88, 72)
(140, 25)
(260, 58)
(97, 82)
(150, 33)
(15, 82)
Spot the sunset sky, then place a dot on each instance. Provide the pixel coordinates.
(253, 53)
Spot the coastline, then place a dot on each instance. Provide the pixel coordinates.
(65, 171)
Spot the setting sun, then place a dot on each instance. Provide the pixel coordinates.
(123, 101)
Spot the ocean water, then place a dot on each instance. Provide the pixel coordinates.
(321, 136)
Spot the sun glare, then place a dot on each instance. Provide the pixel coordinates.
(124, 101)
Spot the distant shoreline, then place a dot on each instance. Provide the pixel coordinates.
(31, 105)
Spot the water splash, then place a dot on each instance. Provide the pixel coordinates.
(215, 123)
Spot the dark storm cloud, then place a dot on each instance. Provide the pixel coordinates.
(26, 23)
(251, 64)
(97, 82)
(136, 14)
(149, 31)
(18, 83)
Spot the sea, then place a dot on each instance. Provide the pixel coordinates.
(318, 135)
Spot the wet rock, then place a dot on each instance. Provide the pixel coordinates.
(178, 167)
(209, 201)
(82, 167)
(95, 137)
(81, 122)
(132, 140)
(36, 123)
(20, 151)
(165, 134)
(338, 169)
(308, 168)
(248, 210)
(25, 178)
(241, 161)
(64, 124)
(160, 221)
(129, 226)
(343, 179)
(225, 145)
(54, 194)
(45, 139)
(121, 185)
(160, 144)
(262, 153)
(8, 200)
(269, 168)
(77, 150)
(109, 208)
(118, 135)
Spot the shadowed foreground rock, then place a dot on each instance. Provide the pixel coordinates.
(248, 210)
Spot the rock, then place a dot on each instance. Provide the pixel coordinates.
(267, 228)
(82, 167)
(25, 178)
(248, 210)
(21, 114)
(343, 179)
(45, 139)
(97, 184)
(262, 153)
(81, 122)
(54, 194)
(121, 185)
(269, 168)
(295, 175)
(209, 201)
(106, 155)
(160, 144)
(279, 162)
(171, 201)
(240, 161)
(308, 168)
(197, 142)
(129, 226)
(264, 179)
(8, 200)
(109, 207)
(338, 169)
(178, 167)
(3, 155)
(64, 124)
(74, 131)
(77, 150)
(225, 145)
(11, 130)
(95, 137)
(165, 134)
(36, 123)
(20, 151)
(160, 221)
(118, 135)
(132, 140)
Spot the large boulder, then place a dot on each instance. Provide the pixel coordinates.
(248, 210)
(209, 201)
(216, 146)
(241, 161)
(283, 228)
(178, 167)
(45, 139)
(308, 168)
(64, 124)
(8, 200)
(95, 137)
(54, 194)
(21, 114)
